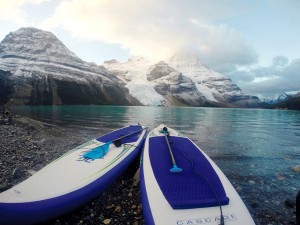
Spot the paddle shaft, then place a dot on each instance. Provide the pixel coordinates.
(129, 134)
(170, 150)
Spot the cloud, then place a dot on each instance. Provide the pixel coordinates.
(12, 11)
(270, 81)
(291, 7)
(157, 29)
(280, 61)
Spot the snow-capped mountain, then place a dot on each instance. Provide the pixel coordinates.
(182, 80)
(174, 87)
(287, 95)
(211, 84)
(157, 84)
(37, 68)
(40, 69)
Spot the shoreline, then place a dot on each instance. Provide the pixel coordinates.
(28, 145)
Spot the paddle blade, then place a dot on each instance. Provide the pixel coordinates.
(175, 169)
(98, 152)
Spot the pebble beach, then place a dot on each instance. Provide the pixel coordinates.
(28, 145)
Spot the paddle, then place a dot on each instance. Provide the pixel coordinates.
(101, 151)
(175, 168)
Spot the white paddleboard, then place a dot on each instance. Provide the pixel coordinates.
(71, 180)
(195, 195)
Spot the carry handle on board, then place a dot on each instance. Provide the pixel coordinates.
(175, 168)
(100, 151)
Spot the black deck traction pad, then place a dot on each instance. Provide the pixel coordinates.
(186, 189)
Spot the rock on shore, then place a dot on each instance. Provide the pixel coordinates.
(27, 145)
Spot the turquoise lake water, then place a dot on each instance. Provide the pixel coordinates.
(255, 148)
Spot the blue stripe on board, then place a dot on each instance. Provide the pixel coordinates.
(186, 189)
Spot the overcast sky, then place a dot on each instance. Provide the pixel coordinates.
(253, 42)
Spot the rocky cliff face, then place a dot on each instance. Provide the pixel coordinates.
(174, 87)
(43, 71)
(6, 87)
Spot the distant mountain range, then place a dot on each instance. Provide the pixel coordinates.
(286, 100)
(37, 69)
(292, 103)
(182, 80)
(288, 95)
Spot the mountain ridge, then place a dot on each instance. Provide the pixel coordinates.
(181, 82)
(37, 68)
(290, 103)
(44, 71)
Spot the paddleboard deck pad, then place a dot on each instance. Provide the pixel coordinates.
(70, 181)
(195, 190)
(192, 196)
